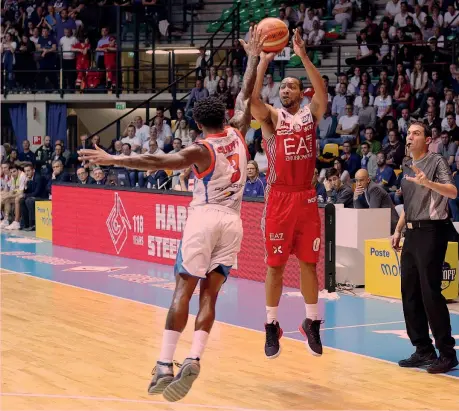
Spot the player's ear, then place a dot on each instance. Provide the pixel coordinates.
(199, 125)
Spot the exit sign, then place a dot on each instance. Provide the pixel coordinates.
(120, 105)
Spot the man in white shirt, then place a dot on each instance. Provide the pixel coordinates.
(343, 14)
(316, 35)
(419, 16)
(358, 100)
(348, 125)
(132, 139)
(400, 18)
(68, 58)
(270, 91)
(309, 19)
(450, 17)
(392, 9)
(232, 81)
(383, 102)
(142, 131)
(164, 135)
(16, 187)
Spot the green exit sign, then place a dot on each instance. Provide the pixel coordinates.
(120, 105)
(131, 54)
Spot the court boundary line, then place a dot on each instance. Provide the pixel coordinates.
(232, 325)
(351, 326)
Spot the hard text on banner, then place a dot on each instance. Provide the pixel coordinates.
(382, 269)
(149, 226)
(44, 219)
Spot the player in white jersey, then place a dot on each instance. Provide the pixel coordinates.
(213, 231)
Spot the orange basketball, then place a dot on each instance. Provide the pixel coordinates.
(277, 32)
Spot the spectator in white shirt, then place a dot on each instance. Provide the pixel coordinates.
(343, 14)
(358, 100)
(68, 58)
(270, 91)
(392, 9)
(211, 81)
(16, 186)
(383, 103)
(131, 139)
(232, 81)
(419, 16)
(142, 131)
(400, 18)
(348, 125)
(450, 17)
(183, 133)
(164, 135)
(316, 35)
(309, 19)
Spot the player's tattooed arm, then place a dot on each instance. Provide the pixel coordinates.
(242, 115)
(195, 154)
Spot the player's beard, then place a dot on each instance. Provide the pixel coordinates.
(287, 104)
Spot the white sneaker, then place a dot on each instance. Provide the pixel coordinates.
(13, 226)
(5, 223)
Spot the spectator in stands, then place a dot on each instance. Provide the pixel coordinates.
(384, 174)
(363, 89)
(260, 157)
(164, 136)
(58, 155)
(225, 94)
(343, 174)
(419, 81)
(450, 19)
(393, 7)
(82, 62)
(202, 63)
(142, 130)
(99, 176)
(47, 45)
(109, 49)
(366, 114)
(369, 161)
(105, 39)
(44, 156)
(271, 90)
(394, 150)
(183, 133)
(197, 93)
(16, 186)
(431, 118)
(59, 175)
(402, 94)
(84, 177)
(13, 157)
(337, 192)
(153, 137)
(368, 194)
(27, 155)
(66, 43)
(348, 127)
(339, 101)
(64, 23)
(211, 81)
(308, 21)
(343, 15)
(320, 188)
(136, 177)
(180, 114)
(366, 54)
(254, 186)
(117, 148)
(232, 81)
(8, 48)
(134, 142)
(4, 177)
(315, 38)
(400, 18)
(327, 127)
(447, 148)
(383, 105)
(351, 160)
(453, 128)
(436, 139)
(34, 189)
(237, 56)
(25, 64)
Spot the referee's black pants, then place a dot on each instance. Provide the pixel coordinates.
(422, 260)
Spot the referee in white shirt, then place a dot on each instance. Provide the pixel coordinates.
(426, 187)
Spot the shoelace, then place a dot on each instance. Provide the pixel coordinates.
(271, 335)
(176, 363)
(314, 327)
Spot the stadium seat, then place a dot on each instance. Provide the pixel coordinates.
(243, 3)
(273, 12)
(228, 27)
(259, 14)
(295, 61)
(244, 15)
(225, 14)
(332, 149)
(213, 27)
(254, 4)
(244, 26)
(271, 3)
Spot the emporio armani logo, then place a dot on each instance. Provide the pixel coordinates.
(118, 224)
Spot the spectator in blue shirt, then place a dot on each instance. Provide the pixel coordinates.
(351, 160)
(64, 23)
(47, 46)
(198, 93)
(255, 186)
(384, 174)
(34, 190)
(27, 155)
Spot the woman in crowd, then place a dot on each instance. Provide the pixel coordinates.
(260, 156)
(211, 81)
(183, 133)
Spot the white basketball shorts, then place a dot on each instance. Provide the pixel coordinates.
(211, 241)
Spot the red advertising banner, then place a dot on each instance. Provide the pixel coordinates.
(148, 226)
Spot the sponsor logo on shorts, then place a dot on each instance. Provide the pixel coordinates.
(276, 236)
(312, 200)
(277, 249)
(316, 244)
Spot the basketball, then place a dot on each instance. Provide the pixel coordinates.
(277, 34)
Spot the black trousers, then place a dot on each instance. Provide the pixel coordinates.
(28, 211)
(422, 260)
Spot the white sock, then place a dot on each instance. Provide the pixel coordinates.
(312, 311)
(271, 314)
(170, 340)
(199, 344)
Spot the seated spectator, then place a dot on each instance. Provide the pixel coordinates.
(197, 93)
(211, 81)
(368, 194)
(431, 119)
(343, 15)
(99, 176)
(315, 38)
(254, 186)
(136, 177)
(368, 161)
(402, 94)
(180, 114)
(157, 179)
(394, 150)
(447, 149)
(143, 130)
(27, 155)
(320, 188)
(383, 104)
(351, 160)
(339, 101)
(270, 91)
(57, 155)
(134, 142)
(309, 20)
(5, 177)
(84, 177)
(35, 188)
(260, 157)
(348, 127)
(59, 175)
(363, 90)
(404, 122)
(454, 203)
(13, 197)
(337, 192)
(393, 7)
(225, 94)
(183, 133)
(343, 174)
(419, 82)
(43, 156)
(385, 175)
(13, 157)
(436, 140)
(232, 81)
(327, 127)
(453, 128)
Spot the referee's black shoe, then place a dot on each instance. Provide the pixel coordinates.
(442, 365)
(419, 359)
(273, 335)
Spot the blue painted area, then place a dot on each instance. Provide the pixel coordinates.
(241, 303)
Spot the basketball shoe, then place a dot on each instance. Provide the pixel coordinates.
(273, 335)
(163, 374)
(311, 331)
(181, 384)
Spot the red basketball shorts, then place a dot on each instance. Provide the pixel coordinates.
(291, 225)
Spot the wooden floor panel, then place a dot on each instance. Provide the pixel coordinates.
(73, 349)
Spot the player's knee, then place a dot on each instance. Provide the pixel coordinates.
(276, 270)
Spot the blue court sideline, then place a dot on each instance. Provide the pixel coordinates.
(370, 327)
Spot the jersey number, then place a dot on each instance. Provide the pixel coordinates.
(234, 163)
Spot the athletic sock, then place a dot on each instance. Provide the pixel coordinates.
(312, 311)
(170, 340)
(199, 344)
(271, 314)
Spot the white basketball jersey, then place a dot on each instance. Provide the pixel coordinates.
(222, 184)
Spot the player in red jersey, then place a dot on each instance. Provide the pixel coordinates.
(83, 49)
(291, 222)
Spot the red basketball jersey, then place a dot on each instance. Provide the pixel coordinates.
(291, 151)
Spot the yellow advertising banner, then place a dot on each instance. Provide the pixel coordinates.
(382, 269)
(44, 220)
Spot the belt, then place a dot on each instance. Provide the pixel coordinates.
(410, 225)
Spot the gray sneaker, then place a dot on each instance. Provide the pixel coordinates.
(163, 374)
(183, 381)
